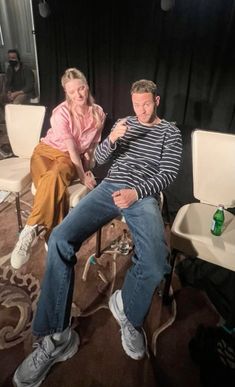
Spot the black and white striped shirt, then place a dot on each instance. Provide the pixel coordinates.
(147, 158)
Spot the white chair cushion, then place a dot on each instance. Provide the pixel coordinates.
(14, 174)
(76, 192)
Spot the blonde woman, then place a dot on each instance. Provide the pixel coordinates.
(63, 154)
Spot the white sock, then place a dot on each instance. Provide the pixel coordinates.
(31, 226)
(61, 336)
(119, 300)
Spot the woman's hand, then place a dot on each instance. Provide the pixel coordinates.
(88, 158)
(89, 180)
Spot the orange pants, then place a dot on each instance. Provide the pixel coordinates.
(52, 172)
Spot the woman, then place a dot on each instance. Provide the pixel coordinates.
(63, 154)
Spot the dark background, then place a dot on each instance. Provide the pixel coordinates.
(188, 51)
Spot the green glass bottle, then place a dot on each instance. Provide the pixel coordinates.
(218, 221)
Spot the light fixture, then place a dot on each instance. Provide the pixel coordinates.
(44, 9)
(167, 5)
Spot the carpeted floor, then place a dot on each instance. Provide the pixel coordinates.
(100, 362)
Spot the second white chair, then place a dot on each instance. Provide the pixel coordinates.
(24, 125)
(213, 155)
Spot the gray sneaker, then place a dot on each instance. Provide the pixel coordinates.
(133, 340)
(21, 253)
(36, 366)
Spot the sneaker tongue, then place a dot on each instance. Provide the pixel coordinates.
(49, 344)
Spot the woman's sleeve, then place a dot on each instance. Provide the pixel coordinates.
(102, 117)
(61, 123)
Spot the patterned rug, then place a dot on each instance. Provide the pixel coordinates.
(95, 281)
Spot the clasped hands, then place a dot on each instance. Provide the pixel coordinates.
(11, 95)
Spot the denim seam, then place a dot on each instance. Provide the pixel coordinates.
(58, 303)
(136, 289)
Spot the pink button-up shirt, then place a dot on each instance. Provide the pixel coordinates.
(81, 129)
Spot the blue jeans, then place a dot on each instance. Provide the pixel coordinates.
(149, 262)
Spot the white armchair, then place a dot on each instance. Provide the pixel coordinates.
(213, 156)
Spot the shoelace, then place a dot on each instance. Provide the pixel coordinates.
(40, 355)
(134, 333)
(226, 354)
(25, 242)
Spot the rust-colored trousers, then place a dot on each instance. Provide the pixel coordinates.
(52, 172)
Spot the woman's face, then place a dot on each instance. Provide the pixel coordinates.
(77, 91)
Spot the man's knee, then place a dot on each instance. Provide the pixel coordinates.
(56, 235)
(59, 246)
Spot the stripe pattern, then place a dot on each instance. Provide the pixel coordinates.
(146, 158)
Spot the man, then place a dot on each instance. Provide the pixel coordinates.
(19, 89)
(19, 80)
(146, 153)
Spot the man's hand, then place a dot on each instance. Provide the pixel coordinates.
(125, 197)
(119, 131)
(9, 96)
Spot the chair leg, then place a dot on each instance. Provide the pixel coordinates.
(18, 212)
(230, 320)
(98, 243)
(92, 259)
(165, 210)
(167, 298)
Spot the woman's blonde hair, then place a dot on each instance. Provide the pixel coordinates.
(73, 73)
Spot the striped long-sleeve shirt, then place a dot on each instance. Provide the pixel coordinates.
(146, 158)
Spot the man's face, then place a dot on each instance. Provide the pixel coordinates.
(12, 59)
(145, 105)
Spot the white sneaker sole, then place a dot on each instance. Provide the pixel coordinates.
(70, 352)
(130, 353)
(16, 264)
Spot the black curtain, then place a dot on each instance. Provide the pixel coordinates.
(188, 51)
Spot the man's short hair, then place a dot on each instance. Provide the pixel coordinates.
(14, 51)
(144, 86)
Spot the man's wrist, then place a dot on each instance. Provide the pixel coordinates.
(111, 140)
(112, 144)
(136, 193)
